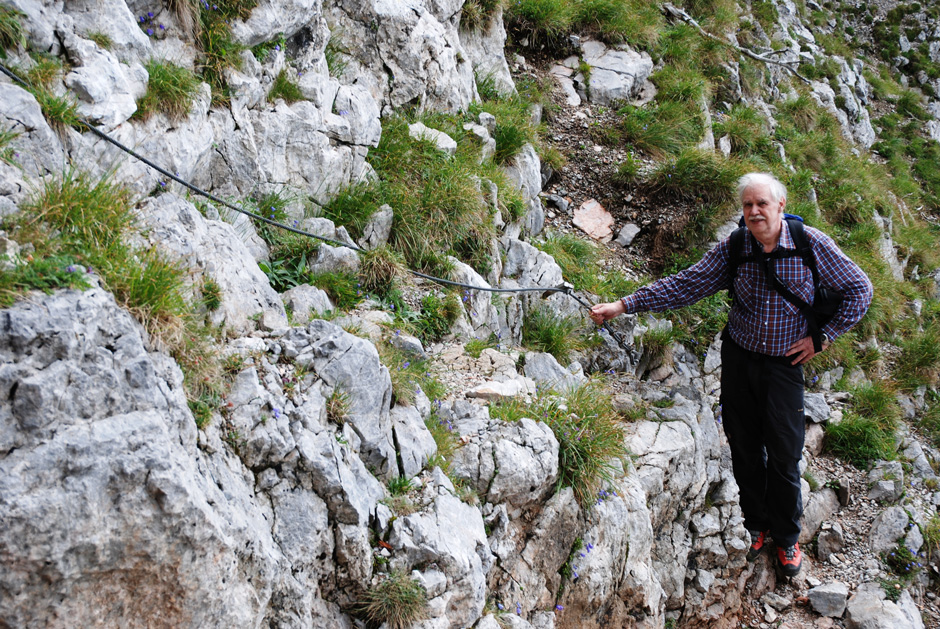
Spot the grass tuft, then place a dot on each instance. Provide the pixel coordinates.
(284, 88)
(545, 331)
(170, 90)
(397, 600)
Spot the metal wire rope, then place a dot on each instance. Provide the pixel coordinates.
(562, 288)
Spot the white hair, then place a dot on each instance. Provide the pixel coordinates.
(778, 191)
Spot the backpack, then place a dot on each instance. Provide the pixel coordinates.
(826, 301)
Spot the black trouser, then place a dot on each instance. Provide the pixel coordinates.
(762, 414)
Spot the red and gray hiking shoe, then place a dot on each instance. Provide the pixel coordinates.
(791, 559)
(758, 543)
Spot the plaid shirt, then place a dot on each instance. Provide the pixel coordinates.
(761, 320)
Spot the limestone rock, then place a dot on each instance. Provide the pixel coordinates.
(214, 250)
(449, 534)
(869, 608)
(616, 74)
(413, 440)
(306, 302)
(829, 599)
(548, 374)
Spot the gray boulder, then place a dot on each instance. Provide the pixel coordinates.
(306, 302)
(870, 609)
(888, 527)
(545, 370)
(38, 149)
(107, 89)
(451, 535)
(616, 74)
(213, 249)
(829, 599)
(516, 463)
(378, 229)
(349, 364)
(816, 408)
(405, 53)
(413, 440)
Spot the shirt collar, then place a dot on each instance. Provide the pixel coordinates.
(785, 241)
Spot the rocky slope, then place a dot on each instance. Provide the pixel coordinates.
(119, 511)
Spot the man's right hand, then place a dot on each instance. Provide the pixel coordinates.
(605, 312)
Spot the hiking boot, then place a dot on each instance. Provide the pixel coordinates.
(758, 543)
(791, 559)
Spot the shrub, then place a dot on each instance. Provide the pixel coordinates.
(745, 128)
(170, 90)
(45, 274)
(284, 88)
(636, 22)
(588, 431)
(337, 407)
(397, 600)
(662, 128)
(103, 40)
(89, 220)
(342, 288)
(437, 316)
(919, 359)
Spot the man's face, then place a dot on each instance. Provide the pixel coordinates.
(762, 215)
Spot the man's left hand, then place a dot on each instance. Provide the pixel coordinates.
(803, 350)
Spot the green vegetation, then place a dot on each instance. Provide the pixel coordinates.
(615, 21)
(578, 259)
(12, 32)
(860, 440)
(380, 270)
(479, 14)
(103, 40)
(544, 330)
(84, 221)
(219, 50)
(45, 274)
(397, 600)
(283, 87)
(589, 435)
(170, 90)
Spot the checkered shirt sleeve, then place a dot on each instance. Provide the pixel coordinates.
(761, 320)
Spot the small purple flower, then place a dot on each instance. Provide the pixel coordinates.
(163, 184)
(500, 606)
(141, 19)
(149, 31)
(277, 413)
(70, 268)
(559, 607)
(277, 47)
(162, 27)
(150, 14)
(343, 112)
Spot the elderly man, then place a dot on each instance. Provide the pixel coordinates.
(765, 344)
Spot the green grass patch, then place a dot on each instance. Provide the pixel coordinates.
(45, 274)
(88, 220)
(478, 15)
(343, 289)
(589, 434)
(103, 40)
(859, 440)
(540, 22)
(635, 22)
(697, 174)
(660, 128)
(170, 90)
(12, 32)
(284, 88)
(543, 330)
(397, 600)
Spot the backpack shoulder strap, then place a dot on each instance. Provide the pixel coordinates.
(804, 249)
(735, 247)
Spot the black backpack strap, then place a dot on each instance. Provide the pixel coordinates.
(804, 249)
(735, 247)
